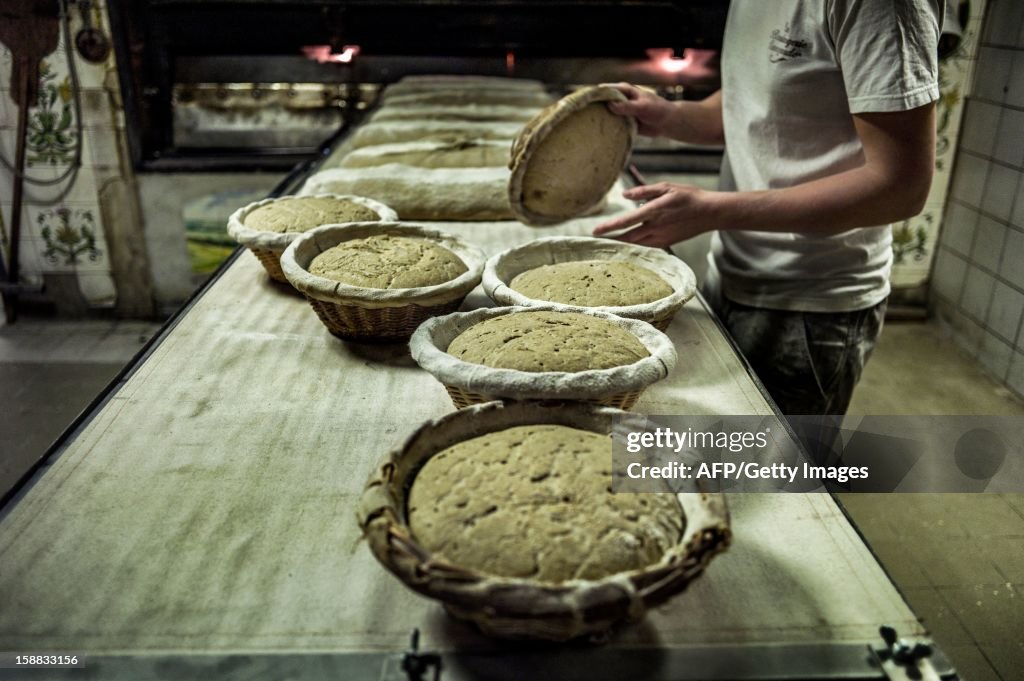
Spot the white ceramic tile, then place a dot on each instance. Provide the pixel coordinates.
(995, 354)
(43, 194)
(1017, 214)
(1003, 23)
(1012, 266)
(966, 332)
(100, 149)
(978, 287)
(1009, 141)
(97, 288)
(30, 259)
(948, 275)
(5, 66)
(980, 125)
(1015, 84)
(1000, 191)
(969, 178)
(8, 110)
(1005, 313)
(958, 228)
(988, 244)
(993, 74)
(96, 108)
(1015, 376)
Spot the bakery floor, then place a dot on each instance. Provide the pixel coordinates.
(959, 559)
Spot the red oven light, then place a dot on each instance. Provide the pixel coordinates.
(322, 54)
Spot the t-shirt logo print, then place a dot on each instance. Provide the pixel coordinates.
(782, 47)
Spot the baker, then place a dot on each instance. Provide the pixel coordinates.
(827, 112)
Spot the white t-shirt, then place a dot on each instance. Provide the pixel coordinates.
(793, 72)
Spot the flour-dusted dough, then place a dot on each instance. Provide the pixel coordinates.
(457, 112)
(423, 193)
(307, 212)
(592, 283)
(566, 159)
(427, 154)
(446, 97)
(455, 83)
(548, 341)
(535, 501)
(389, 132)
(389, 262)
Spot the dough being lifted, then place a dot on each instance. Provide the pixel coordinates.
(592, 283)
(566, 159)
(548, 341)
(306, 212)
(386, 261)
(535, 501)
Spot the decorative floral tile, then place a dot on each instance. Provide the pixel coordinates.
(51, 136)
(71, 236)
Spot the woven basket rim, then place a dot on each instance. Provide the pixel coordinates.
(429, 348)
(278, 241)
(485, 598)
(500, 270)
(300, 253)
(536, 132)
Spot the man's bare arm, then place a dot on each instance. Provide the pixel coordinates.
(890, 185)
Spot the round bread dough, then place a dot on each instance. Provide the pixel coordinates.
(386, 261)
(592, 283)
(306, 212)
(535, 501)
(570, 171)
(548, 341)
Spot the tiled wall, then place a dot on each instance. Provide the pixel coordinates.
(63, 229)
(978, 277)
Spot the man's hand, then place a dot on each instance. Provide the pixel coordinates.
(653, 114)
(673, 213)
(693, 122)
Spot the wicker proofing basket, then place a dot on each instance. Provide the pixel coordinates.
(580, 176)
(373, 314)
(268, 246)
(502, 268)
(468, 383)
(519, 607)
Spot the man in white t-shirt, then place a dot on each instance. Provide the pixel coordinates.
(827, 114)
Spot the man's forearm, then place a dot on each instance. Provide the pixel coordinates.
(855, 198)
(698, 122)
(891, 185)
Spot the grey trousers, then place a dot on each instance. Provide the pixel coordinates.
(808, 361)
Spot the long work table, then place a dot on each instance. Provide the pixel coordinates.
(202, 523)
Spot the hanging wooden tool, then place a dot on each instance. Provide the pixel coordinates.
(30, 30)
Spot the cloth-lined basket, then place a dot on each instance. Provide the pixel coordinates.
(502, 268)
(520, 607)
(268, 246)
(577, 173)
(373, 314)
(468, 383)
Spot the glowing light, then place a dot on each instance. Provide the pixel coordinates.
(322, 54)
(665, 60)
